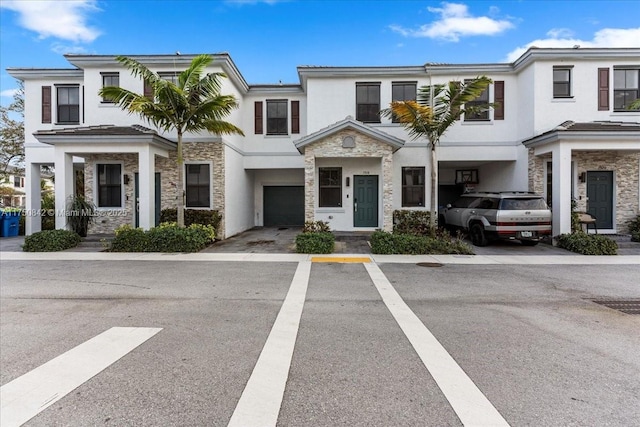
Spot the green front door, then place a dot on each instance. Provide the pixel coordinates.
(365, 200)
(600, 197)
(137, 196)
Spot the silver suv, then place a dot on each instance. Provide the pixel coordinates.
(522, 216)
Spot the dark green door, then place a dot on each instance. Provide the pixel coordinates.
(365, 200)
(283, 206)
(158, 196)
(600, 197)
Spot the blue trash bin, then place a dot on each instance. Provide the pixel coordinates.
(10, 224)
(1, 224)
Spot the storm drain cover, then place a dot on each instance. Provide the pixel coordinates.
(628, 306)
(429, 264)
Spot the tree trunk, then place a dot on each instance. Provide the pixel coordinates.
(180, 184)
(434, 185)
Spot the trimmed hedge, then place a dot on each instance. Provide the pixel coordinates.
(408, 244)
(167, 237)
(412, 222)
(50, 241)
(588, 244)
(193, 216)
(315, 243)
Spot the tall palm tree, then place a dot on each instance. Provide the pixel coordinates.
(192, 104)
(437, 108)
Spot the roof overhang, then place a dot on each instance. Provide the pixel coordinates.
(590, 136)
(349, 123)
(106, 134)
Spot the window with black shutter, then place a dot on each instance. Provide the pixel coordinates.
(277, 117)
(626, 83)
(68, 104)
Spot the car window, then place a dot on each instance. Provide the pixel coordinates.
(464, 202)
(488, 203)
(522, 204)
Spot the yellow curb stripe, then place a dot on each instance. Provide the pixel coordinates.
(340, 259)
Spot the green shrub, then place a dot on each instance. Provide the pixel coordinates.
(50, 241)
(408, 244)
(167, 237)
(193, 216)
(412, 222)
(321, 242)
(588, 244)
(129, 239)
(634, 229)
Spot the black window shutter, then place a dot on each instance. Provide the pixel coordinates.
(258, 117)
(46, 104)
(498, 109)
(603, 89)
(295, 116)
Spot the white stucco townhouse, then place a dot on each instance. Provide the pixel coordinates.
(318, 149)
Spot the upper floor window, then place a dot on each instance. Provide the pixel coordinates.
(480, 115)
(110, 79)
(198, 185)
(277, 117)
(626, 83)
(18, 181)
(330, 180)
(368, 102)
(413, 186)
(403, 91)
(171, 76)
(561, 82)
(68, 104)
(109, 185)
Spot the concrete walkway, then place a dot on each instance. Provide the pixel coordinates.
(279, 244)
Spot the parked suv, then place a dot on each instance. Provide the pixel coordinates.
(522, 216)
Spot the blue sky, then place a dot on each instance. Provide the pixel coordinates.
(267, 39)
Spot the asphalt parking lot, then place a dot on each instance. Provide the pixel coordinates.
(525, 340)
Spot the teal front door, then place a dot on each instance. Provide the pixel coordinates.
(600, 197)
(137, 196)
(365, 200)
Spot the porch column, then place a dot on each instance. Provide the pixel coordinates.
(146, 188)
(309, 185)
(33, 219)
(387, 191)
(64, 185)
(561, 203)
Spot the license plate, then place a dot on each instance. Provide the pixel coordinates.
(526, 234)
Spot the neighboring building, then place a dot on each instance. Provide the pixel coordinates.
(13, 185)
(318, 150)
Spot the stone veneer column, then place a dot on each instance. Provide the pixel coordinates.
(309, 184)
(387, 191)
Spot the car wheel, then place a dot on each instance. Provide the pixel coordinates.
(529, 242)
(478, 237)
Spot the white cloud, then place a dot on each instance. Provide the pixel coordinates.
(8, 93)
(607, 37)
(56, 18)
(62, 49)
(456, 22)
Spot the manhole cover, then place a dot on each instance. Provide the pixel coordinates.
(429, 264)
(628, 306)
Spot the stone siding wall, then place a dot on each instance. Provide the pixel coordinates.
(193, 151)
(626, 170)
(366, 147)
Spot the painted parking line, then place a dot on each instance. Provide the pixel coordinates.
(261, 399)
(28, 395)
(466, 399)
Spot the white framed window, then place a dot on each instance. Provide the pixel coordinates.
(198, 184)
(562, 81)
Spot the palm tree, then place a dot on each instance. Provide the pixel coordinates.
(192, 104)
(436, 109)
